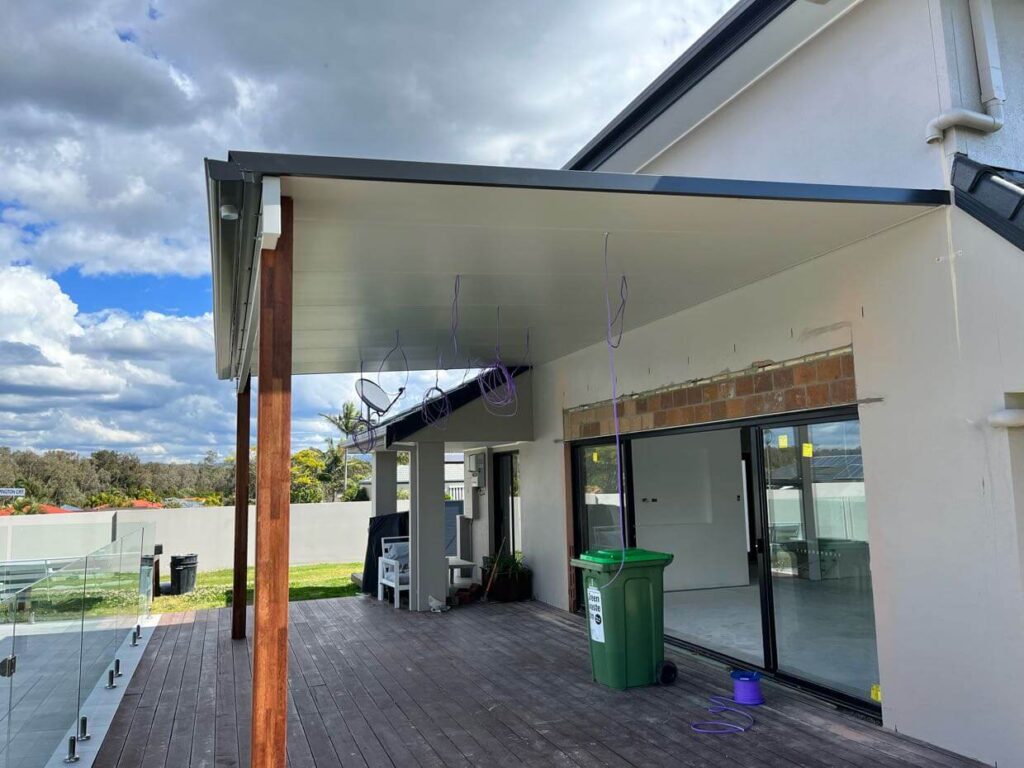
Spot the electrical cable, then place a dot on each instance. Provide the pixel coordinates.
(405, 363)
(455, 318)
(718, 705)
(620, 318)
(496, 382)
(435, 407)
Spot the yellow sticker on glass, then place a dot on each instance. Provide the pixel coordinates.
(595, 457)
(783, 441)
(808, 450)
(876, 693)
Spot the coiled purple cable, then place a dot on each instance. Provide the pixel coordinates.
(718, 705)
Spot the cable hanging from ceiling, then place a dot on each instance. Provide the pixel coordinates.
(496, 381)
(435, 406)
(615, 324)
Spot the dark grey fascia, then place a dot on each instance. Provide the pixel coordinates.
(260, 164)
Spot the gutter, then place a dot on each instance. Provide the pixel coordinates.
(990, 76)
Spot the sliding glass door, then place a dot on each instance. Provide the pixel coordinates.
(599, 505)
(820, 563)
(767, 524)
(689, 496)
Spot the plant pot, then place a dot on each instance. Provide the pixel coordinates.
(510, 587)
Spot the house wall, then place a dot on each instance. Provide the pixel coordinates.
(688, 495)
(933, 313)
(1005, 147)
(849, 107)
(929, 309)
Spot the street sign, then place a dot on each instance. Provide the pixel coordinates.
(16, 492)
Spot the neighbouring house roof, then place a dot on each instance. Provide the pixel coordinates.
(134, 504)
(378, 244)
(827, 468)
(453, 473)
(992, 195)
(44, 509)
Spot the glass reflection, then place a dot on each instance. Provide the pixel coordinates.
(820, 555)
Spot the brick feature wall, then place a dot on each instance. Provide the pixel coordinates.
(815, 381)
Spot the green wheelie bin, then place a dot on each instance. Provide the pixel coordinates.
(625, 616)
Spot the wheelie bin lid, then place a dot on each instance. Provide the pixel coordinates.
(605, 559)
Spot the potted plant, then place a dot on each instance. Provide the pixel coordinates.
(512, 579)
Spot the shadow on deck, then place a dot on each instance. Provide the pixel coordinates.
(489, 685)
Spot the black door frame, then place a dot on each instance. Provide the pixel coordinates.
(508, 521)
(758, 505)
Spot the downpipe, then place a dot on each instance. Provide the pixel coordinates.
(990, 77)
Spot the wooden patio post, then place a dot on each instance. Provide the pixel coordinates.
(241, 514)
(273, 497)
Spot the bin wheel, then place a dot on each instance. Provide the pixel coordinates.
(666, 672)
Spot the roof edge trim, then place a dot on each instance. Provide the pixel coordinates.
(258, 164)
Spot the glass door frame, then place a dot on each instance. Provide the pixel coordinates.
(771, 651)
(753, 429)
(503, 461)
(579, 534)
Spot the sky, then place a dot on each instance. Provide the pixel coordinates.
(107, 109)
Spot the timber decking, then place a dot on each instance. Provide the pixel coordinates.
(488, 685)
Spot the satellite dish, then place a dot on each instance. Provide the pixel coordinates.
(374, 397)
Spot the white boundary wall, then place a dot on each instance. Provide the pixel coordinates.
(320, 533)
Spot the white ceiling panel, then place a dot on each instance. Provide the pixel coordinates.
(372, 257)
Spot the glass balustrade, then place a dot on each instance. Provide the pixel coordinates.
(59, 638)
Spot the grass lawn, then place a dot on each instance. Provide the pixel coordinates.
(305, 582)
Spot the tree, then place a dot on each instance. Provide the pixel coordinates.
(306, 490)
(308, 469)
(346, 422)
(25, 506)
(335, 468)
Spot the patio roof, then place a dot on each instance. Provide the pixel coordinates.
(378, 244)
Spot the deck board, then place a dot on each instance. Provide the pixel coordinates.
(490, 685)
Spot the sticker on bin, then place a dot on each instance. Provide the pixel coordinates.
(596, 614)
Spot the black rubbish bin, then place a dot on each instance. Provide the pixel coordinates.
(183, 573)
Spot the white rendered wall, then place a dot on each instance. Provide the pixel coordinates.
(933, 312)
(1006, 146)
(699, 514)
(850, 107)
(31, 537)
(319, 533)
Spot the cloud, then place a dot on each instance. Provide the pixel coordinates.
(109, 380)
(142, 383)
(107, 108)
(19, 353)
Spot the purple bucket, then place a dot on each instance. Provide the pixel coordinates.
(746, 687)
